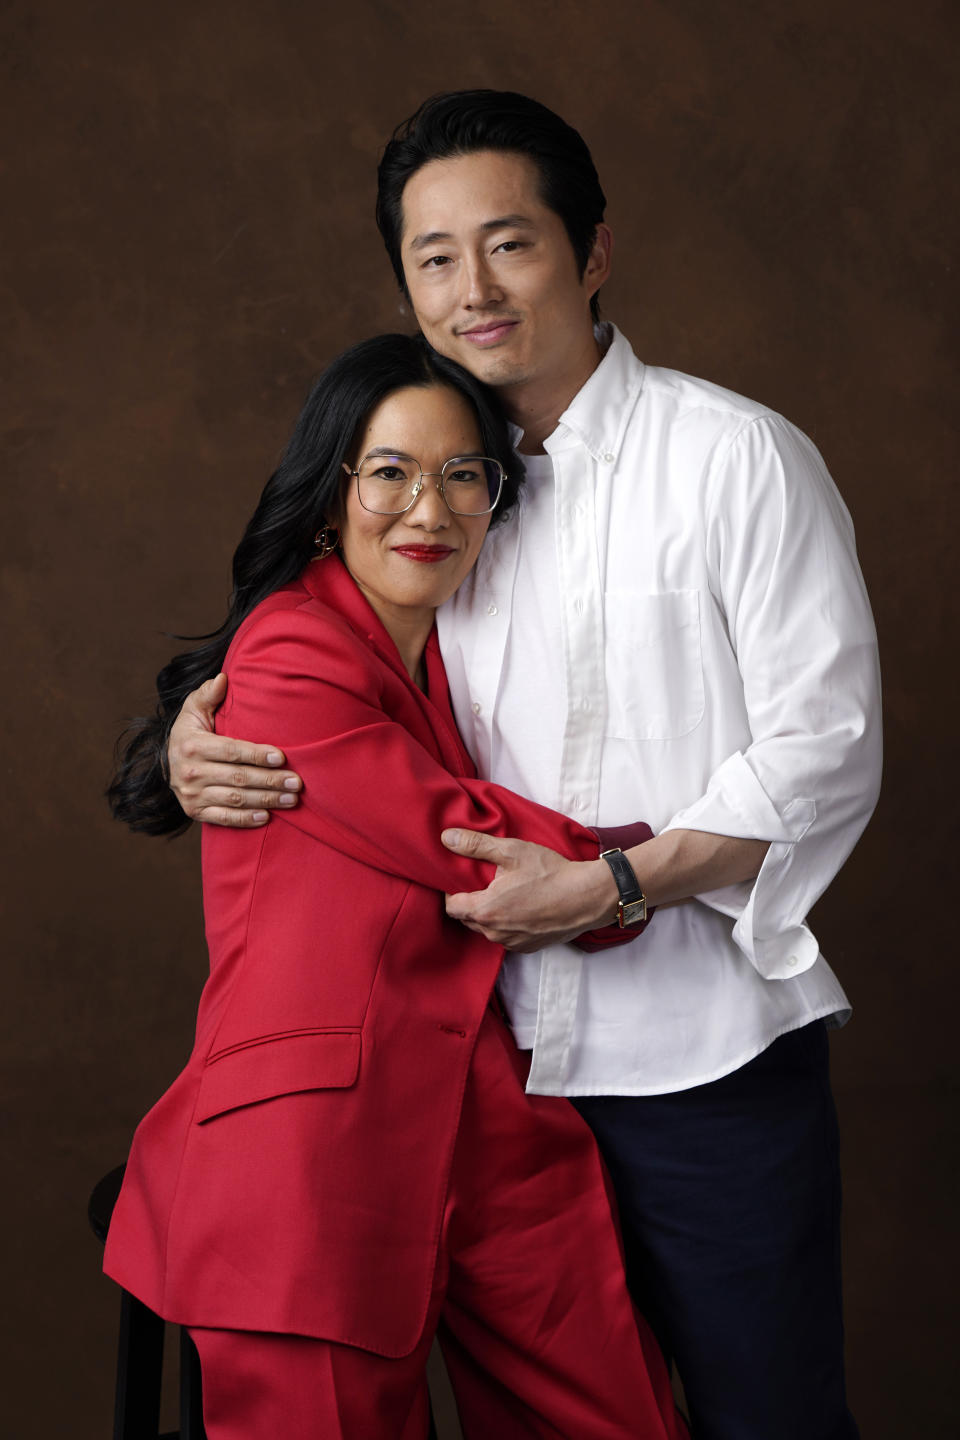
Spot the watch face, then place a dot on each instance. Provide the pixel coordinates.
(635, 913)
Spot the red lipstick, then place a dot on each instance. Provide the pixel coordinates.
(426, 554)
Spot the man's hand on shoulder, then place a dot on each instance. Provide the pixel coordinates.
(219, 780)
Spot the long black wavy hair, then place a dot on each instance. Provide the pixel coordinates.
(300, 495)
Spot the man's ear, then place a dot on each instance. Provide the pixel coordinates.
(599, 261)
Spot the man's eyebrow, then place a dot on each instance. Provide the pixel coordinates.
(502, 222)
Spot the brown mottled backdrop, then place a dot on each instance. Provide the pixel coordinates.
(187, 237)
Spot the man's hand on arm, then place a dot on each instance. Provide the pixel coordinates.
(219, 780)
(538, 898)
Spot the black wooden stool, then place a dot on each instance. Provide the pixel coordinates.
(140, 1353)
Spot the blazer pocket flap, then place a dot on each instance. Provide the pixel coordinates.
(262, 1071)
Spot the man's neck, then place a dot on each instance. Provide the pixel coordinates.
(536, 404)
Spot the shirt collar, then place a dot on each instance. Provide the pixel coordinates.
(597, 415)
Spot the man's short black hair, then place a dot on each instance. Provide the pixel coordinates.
(462, 122)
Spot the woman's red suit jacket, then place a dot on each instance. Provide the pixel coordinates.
(293, 1177)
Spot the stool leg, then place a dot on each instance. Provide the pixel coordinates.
(191, 1392)
(139, 1371)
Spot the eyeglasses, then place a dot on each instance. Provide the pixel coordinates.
(392, 484)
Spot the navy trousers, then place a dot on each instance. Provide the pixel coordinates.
(729, 1199)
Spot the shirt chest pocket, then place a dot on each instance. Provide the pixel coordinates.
(654, 667)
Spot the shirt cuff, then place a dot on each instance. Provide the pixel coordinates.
(769, 932)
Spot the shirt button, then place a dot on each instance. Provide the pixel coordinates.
(579, 803)
(492, 610)
(476, 707)
(585, 703)
(578, 606)
(609, 457)
(792, 960)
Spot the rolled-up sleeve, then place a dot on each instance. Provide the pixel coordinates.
(783, 568)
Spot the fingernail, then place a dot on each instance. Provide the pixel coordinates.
(292, 782)
(287, 800)
(451, 837)
(274, 757)
(259, 817)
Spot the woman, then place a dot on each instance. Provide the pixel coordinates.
(349, 1162)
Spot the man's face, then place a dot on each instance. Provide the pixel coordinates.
(491, 272)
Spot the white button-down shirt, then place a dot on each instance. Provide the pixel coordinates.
(673, 627)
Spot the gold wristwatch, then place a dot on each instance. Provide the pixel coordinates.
(632, 905)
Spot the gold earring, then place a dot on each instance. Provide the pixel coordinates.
(326, 540)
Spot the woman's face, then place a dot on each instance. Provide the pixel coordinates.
(406, 565)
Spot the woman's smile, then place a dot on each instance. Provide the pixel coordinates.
(425, 554)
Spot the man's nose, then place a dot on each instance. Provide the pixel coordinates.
(480, 286)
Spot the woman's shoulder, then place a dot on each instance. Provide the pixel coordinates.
(297, 618)
(292, 667)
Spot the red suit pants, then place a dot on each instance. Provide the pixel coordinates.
(529, 1303)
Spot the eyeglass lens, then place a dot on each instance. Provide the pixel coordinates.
(469, 484)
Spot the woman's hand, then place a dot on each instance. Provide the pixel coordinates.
(221, 781)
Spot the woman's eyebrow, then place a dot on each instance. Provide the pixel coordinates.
(390, 450)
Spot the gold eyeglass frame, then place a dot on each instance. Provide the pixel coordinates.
(432, 475)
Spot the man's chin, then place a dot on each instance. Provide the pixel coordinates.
(494, 367)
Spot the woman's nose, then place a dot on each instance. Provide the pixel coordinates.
(429, 510)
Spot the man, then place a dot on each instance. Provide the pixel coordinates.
(674, 627)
